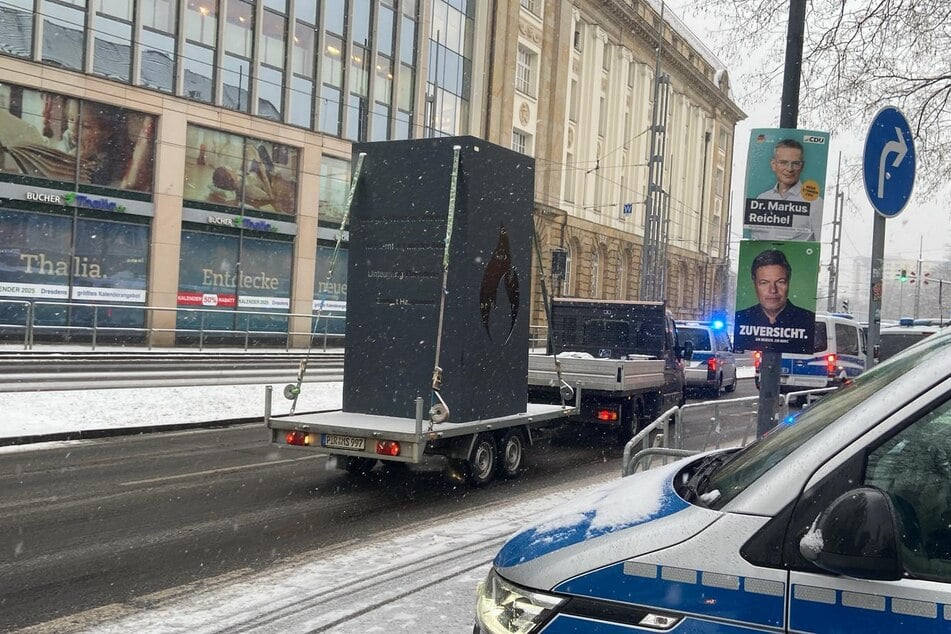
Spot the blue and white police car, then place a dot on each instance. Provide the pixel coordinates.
(838, 521)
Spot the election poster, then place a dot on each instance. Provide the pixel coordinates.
(785, 184)
(776, 296)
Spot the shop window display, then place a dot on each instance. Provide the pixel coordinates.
(243, 173)
(54, 137)
(233, 276)
(330, 296)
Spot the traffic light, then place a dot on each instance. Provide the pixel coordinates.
(903, 276)
(845, 305)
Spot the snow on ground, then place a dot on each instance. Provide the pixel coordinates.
(35, 413)
(420, 578)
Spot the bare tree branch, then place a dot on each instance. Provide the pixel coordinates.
(858, 55)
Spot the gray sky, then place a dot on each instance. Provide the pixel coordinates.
(923, 220)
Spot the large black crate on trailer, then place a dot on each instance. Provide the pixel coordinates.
(394, 280)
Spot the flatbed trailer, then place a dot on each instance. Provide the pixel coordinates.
(478, 450)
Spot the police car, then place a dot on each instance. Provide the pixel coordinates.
(837, 521)
(712, 366)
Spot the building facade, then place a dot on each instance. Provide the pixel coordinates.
(186, 155)
(582, 102)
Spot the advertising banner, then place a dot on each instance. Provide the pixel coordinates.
(35, 256)
(235, 171)
(776, 296)
(210, 277)
(107, 263)
(50, 136)
(785, 184)
(330, 296)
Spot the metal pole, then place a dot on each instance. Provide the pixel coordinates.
(788, 118)
(918, 279)
(875, 287)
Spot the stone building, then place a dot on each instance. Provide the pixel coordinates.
(170, 157)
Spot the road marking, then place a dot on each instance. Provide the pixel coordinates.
(194, 474)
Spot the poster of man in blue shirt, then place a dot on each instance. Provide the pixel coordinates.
(785, 181)
(775, 308)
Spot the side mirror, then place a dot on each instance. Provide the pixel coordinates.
(856, 536)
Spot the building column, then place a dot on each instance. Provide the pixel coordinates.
(166, 234)
(305, 249)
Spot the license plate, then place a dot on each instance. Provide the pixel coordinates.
(335, 441)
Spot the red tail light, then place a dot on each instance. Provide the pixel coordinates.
(757, 358)
(830, 364)
(297, 438)
(607, 415)
(388, 448)
(712, 364)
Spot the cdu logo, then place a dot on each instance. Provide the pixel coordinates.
(499, 271)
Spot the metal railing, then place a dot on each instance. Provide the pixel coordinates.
(94, 323)
(653, 438)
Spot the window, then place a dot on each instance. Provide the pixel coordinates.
(570, 171)
(530, 5)
(578, 39)
(201, 32)
(914, 468)
(624, 275)
(602, 116)
(112, 43)
(846, 340)
(157, 44)
(525, 72)
(821, 339)
(573, 101)
(17, 18)
(521, 142)
(566, 283)
(63, 36)
(596, 273)
(334, 187)
(606, 57)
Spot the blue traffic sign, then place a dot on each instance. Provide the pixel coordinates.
(888, 163)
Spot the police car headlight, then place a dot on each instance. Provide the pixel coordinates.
(504, 608)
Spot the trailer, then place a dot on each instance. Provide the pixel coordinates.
(437, 314)
(477, 451)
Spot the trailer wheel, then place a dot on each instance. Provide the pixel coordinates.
(359, 466)
(482, 460)
(511, 453)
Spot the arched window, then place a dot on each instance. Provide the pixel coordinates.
(596, 272)
(622, 276)
(681, 287)
(566, 284)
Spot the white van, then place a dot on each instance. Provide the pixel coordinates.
(837, 521)
(839, 355)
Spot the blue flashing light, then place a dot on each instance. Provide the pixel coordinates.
(789, 420)
(718, 324)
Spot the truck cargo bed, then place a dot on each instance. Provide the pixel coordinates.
(608, 375)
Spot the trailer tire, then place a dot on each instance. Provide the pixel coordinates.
(482, 460)
(511, 453)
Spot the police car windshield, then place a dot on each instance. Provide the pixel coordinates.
(750, 463)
